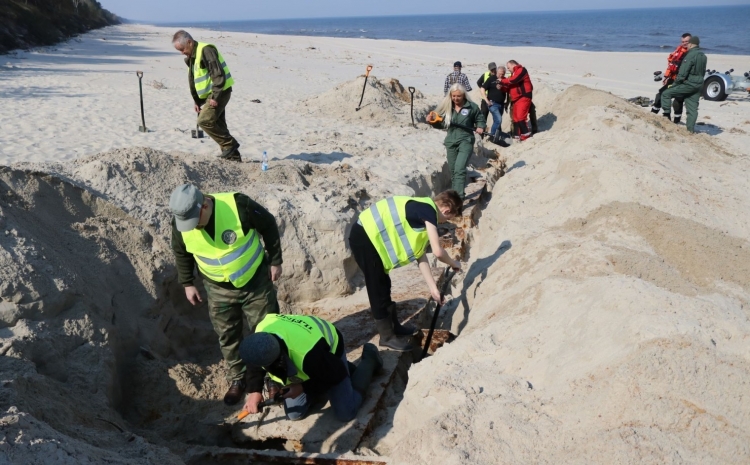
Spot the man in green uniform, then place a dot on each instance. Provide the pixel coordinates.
(688, 83)
(211, 87)
(220, 233)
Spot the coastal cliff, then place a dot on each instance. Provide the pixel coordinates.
(29, 23)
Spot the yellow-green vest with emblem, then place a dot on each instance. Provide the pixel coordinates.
(229, 256)
(395, 240)
(201, 78)
(300, 334)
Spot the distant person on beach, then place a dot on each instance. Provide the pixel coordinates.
(211, 87)
(491, 71)
(462, 118)
(688, 83)
(221, 235)
(392, 233)
(519, 86)
(674, 60)
(305, 355)
(495, 97)
(456, 77)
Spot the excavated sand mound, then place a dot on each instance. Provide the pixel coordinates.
(606, 314)
(385, 103)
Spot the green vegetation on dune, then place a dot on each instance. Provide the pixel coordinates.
(28, 23)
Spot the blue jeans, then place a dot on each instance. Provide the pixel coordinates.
(344, 400)
(497, 117)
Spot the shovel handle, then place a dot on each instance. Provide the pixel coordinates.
(412, 90)
(139, 74)
(369, 68)
(242, 414)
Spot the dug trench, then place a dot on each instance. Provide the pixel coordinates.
(104, 358)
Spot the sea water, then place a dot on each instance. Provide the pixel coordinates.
(722, 29)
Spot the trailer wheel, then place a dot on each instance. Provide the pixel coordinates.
(714, 89)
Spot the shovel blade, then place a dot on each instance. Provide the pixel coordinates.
(200, 134)
(142, 129)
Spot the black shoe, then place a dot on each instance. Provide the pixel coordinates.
(228, 153)
(389, 339)
(235, 391)
(677, 119)
(655, 110)
(667, 115)
(398, 328)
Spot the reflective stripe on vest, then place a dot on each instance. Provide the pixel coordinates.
(486, 76)
(395, 240)
(300, 334)
(201, 78)
(230, 256)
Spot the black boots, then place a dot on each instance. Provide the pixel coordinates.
(370, 363)
(398, 328)
(677, 119)
(388, 337)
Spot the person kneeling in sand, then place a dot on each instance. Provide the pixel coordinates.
(463, 118)
(391, 233)
(306, 355)
(211, 88)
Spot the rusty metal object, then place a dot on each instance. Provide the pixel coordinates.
(440, 337)
(253, 456)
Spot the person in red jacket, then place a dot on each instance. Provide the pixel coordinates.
(673, 66)
(519, 87)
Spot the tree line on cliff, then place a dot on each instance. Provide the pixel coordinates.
(28, 23)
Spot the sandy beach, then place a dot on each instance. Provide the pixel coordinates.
(603, 310)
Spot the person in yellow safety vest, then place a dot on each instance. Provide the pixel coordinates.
(220, 234)
(210, 84)
(491, 72)
(394, 232)
(306, 356)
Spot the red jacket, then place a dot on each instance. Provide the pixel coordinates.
(518, 84)
(673, 62)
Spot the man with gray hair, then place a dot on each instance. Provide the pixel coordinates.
(211, 87)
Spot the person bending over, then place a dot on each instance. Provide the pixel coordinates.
(306, 356)
(391, 233)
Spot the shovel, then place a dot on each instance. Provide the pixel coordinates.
(411, 91)
(140, 89)
(367, 74)
(448, 275)
(197, 133)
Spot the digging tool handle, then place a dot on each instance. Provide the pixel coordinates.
(140, 90)
(447, 275)
(367, 74)
(412, 90)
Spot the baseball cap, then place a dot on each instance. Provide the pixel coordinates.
(492, 66)
(186, 202)
(457, 64)
(260, 349)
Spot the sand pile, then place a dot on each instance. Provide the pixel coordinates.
(385, 103)
(604, 316)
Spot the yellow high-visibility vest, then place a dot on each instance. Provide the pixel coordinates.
(300, 334)
(201, 78)
(395, 240)
(229, 256)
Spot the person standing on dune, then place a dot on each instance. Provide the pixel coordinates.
(211, 87)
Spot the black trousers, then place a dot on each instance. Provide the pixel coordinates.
(485, 109)
(677, 103)
(377, 281)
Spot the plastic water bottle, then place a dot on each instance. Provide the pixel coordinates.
(264, 162)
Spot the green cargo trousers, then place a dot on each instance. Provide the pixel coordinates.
(213, 121)
(692, 98)
(459, 152)
(226, 307)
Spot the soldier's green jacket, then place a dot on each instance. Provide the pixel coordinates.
(692, 69)
(469, 116)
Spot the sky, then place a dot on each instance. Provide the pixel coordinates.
(173, 11)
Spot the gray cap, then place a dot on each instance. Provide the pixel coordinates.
(695, 40)
(259, 349)
(186, 202)
(492, 66)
